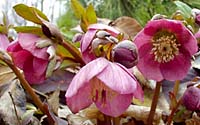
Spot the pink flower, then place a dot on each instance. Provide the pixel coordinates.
(109, 85)
(4, 42)
(165, 48)
(90, 35)
(32, 60)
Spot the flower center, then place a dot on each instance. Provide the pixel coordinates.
(165, 47)
(100, 92)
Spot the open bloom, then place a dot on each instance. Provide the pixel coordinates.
(165, 48)
(31, 59)
(91, 34)
(109, 85)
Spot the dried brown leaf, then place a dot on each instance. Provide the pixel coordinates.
(12, 105)
(127, 25)
(53, 101)
(195, 120)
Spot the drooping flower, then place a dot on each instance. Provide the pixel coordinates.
(191, 98)
(165, 48)
(106, 35)
(31, 59)
(109, 85)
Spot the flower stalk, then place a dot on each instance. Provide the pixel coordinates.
(29, 90)
(154, 103)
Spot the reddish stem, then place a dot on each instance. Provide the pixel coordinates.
(30, 91)
(73, 51)
(154, 103)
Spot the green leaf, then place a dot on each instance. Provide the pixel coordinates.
(184, 8)
(30, 13)
(91, 15)
(61, 51)
(79, 10)
(29, 29)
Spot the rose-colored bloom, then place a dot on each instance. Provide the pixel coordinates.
(90, 35)
(109, 85)
(165, 48)
(32, 60)
(191, 99)
(4, 42)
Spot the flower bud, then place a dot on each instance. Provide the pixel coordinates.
(191, 98)
(77, 37)
(125, 53)
(196, 14)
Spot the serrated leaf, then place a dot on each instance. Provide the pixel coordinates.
(29, 29)
(78, 9)
(184, 8)
(29, 13)
(90, 14)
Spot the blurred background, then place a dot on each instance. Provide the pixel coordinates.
(60, 13)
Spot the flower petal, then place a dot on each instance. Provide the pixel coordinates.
(117, 78)
(179, 67)
(39, 66)
(150, 68)
(80, 100)
(31, 76)
(4, 42)
(116, 105)
(109, 29)
(87, 39)
(85, 74)
(27, 41)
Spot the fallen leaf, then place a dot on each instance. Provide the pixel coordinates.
(12, 105)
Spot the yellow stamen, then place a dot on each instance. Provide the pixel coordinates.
(165, 48)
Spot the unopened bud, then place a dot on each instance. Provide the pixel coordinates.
(77, 37)
(191, 98)
(125, 53)
(196, 15)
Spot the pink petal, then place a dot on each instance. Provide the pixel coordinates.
(88, 57)
(27, 41)
(141, 39)
(150, 68)
(187, 41)
(117, 78)
(87, 39)
(39, 66)
(80, 100)
(14, 47)
(20, 58)
(4, 42)
(115, 105)
(85, 74)
(177, 68)
(110, 29)
(31, 76)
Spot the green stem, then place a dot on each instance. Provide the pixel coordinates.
(154, 103)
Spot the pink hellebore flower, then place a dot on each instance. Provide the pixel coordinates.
(109, 85)
(90, 35)
(165, 48)
(4, 42)
(32, 60)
